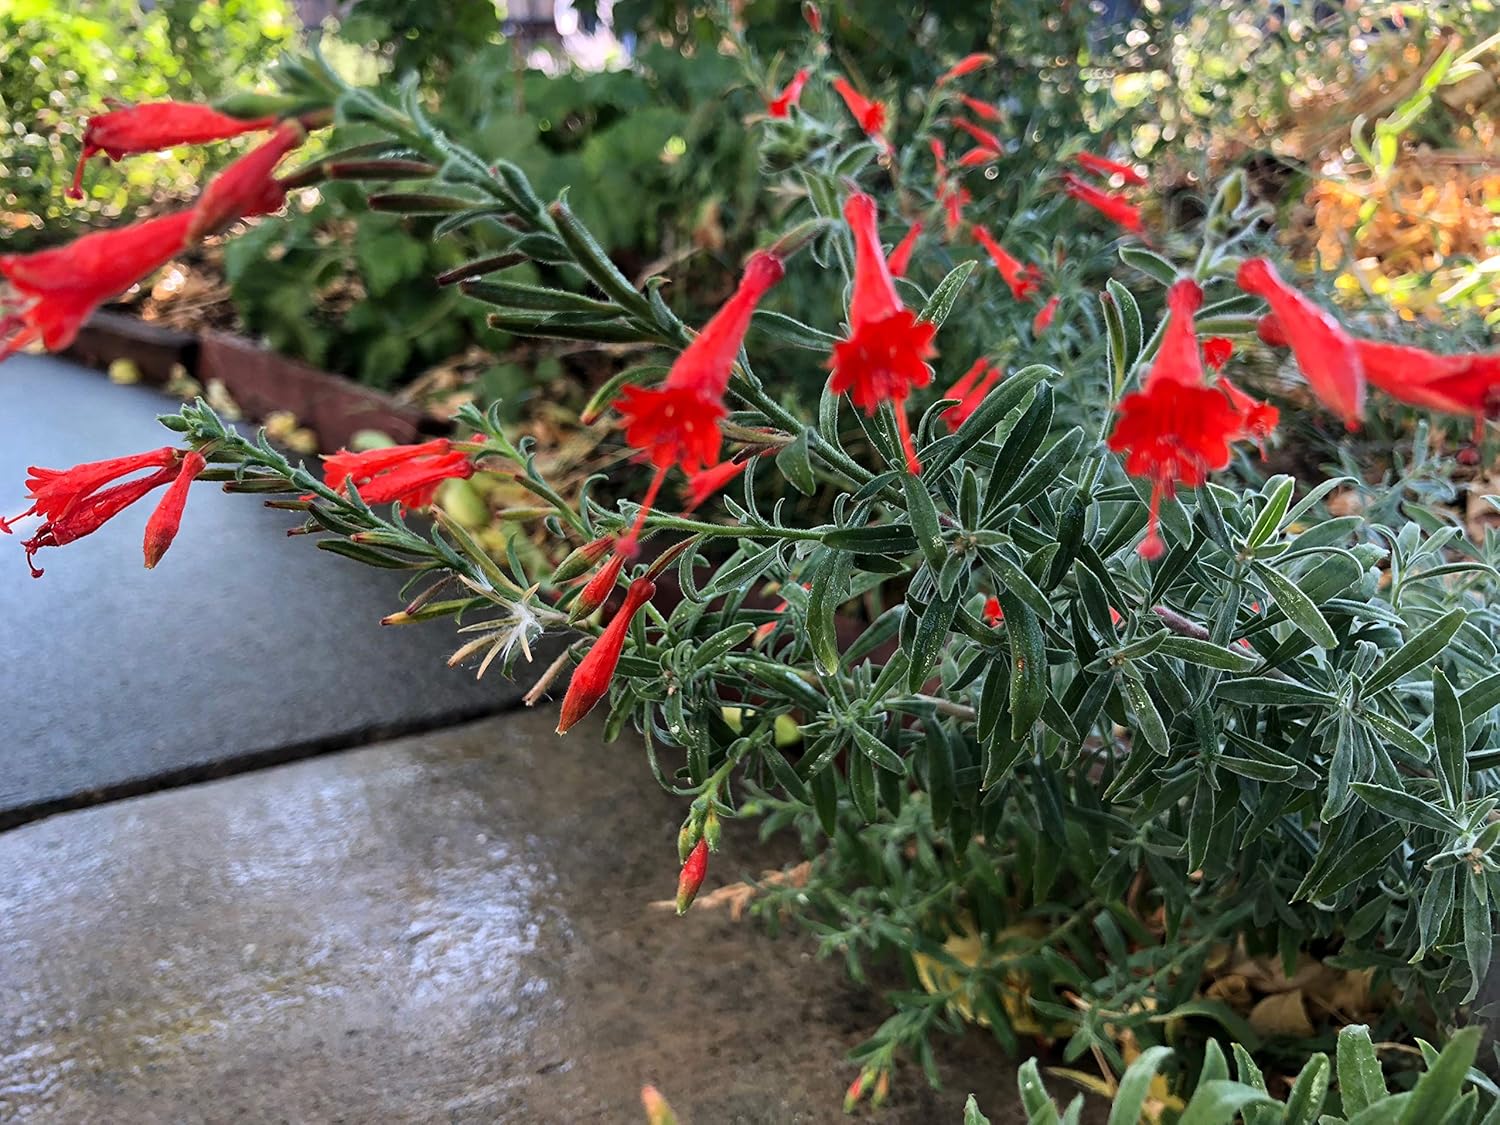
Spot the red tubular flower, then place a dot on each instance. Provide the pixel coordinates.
(1022, 279)
(1043, 319)
(155, 126)
(1325, 352)
(781, 104)
(966, 65)
(976, 157)
(953, 200)
(1116, 208)
(1178, 358)
(1173, 433)
(162, 527)
(591, 679)
(598, 588)
(53, 492)
(408, 475)
(985, 138)
(887, 350)
(703, 484)
(1216, 351)
(1101, 166)
(993, 614)
(1257, 419)
(247, 187)
(677, 423)
(900, 257)
(87, 513)
(1174, 430)
(57, 290)
(982, 110)
(869, 113)
(970, 390)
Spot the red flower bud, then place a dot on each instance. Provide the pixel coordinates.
(983, 136)
(691, 878)
(1043, 319)
(966, 65)
(161, 528)
(1101, 166)
(1022, 279)
(592, 677)
(598, 589)
(247, 187)
(813, 16)
(581, 558)
(1116, 208)
(900, 258)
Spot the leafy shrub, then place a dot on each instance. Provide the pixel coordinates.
(1275, 739)
(1447, 1090)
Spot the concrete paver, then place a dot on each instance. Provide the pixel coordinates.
(451, 927)
(242, 646)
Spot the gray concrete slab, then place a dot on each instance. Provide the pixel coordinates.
(452, 927)
(243, 646)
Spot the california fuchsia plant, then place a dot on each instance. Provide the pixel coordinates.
(1042, 658)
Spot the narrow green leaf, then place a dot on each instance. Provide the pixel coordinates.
(1268, 522)
(1404, 806)
(1209, 655)
(1028, 663)
(1439, 1088)
(1361, 1081)
(996, 405)
(1297, 606)
(1217, 1102)
(796, 465)
(1309, 1092)
(1418, 651)
(1151, 264)
(1135, 1084)
(972, 1116)
(1448, 733)
(1262, 691)
(1038, 1104)
(1147, 718)
(1479, 930)
(875, 748)
(924, 521)
(940, 304)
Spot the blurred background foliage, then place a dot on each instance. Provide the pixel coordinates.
(59, 62)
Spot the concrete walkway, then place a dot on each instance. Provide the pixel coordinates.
(242, 647)
(452, 927)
